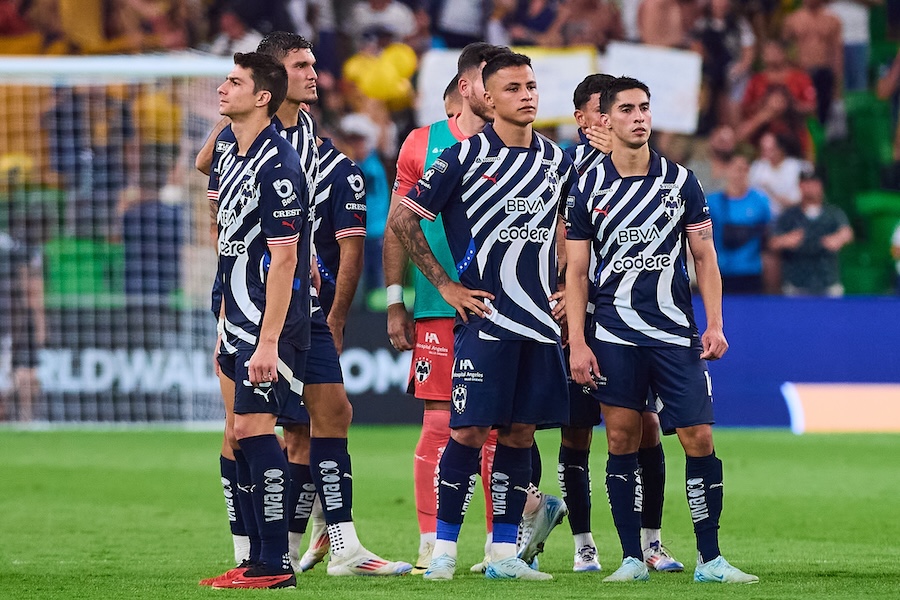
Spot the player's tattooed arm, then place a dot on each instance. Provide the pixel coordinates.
(405, 224)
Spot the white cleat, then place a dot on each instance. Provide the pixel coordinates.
(514, 568)
(632, 569)
(586, 560)
(537, 527)
(424, 559)
(319, 545)
(658, 558)
(441, 568)
(719, 571)
(363, 562)
(482, 566)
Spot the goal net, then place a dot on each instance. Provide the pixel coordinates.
(106, 257)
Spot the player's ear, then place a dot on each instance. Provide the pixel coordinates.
(605, 121)
(462, 84)
(488, 99)
(263, 97)
(579, 119)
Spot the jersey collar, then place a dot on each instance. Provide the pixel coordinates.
(496, 143)
(582, 139)
(655, 169)
(265, 134)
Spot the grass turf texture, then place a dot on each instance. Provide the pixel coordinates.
(140, 514)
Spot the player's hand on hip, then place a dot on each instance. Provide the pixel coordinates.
(466, 301)
(583, 365)
(401, 329)
(714, 344)
(263, 365)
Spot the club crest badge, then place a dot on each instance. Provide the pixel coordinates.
(422, 370)
(458, 397)
(671, 201)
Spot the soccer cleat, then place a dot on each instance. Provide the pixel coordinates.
(441, 568)
(657, 557)
(586, 560)
(319, 545)
(228, 575)
(257, 577)
(514, 568)
(719, 571)
(632, 569)
(550, 513)
(363, 562)
(480, 567)
(424, 559)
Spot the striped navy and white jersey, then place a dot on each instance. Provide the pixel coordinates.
(340, 212)
(500, 206)
(302, 137)
(263, 202)
(586, 157)
(638, 226)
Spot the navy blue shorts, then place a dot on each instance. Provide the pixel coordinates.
(677, 377)
(322, 364)
(500, 382)
(283, 398)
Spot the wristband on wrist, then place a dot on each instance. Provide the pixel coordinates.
(394, 294)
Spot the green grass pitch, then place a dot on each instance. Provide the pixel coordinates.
(139, 514)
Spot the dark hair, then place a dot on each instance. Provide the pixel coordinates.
(476, 53)
(279, 43)
(503, 61)
(268, 74)
(620, 84)
(452, 87)
(592, 84)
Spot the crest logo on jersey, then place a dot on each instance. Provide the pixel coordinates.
(671, 202)
(422, 370)
(249, 190)
(356, 182)
(552, 181)
(458, 398)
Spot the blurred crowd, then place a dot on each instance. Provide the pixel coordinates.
(775, 77)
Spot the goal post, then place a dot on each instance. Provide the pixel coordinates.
(106, 257)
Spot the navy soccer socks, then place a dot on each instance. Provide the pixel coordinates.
(271, 480)
(623, 486)
(705, 494)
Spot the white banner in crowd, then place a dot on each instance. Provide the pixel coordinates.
(672, 75)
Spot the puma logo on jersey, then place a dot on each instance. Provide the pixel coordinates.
(491, 178)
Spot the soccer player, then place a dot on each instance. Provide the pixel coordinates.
(636, 210)
(574, 470)
(266, 320)
(499, 194)
(430, 335)
(329, 410)
(453, 100)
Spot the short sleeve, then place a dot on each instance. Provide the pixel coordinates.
(438, 185)
(696, 210)
(348, 203)
(411, 161)
(568, 182)
(283, 204)
(578, 209)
